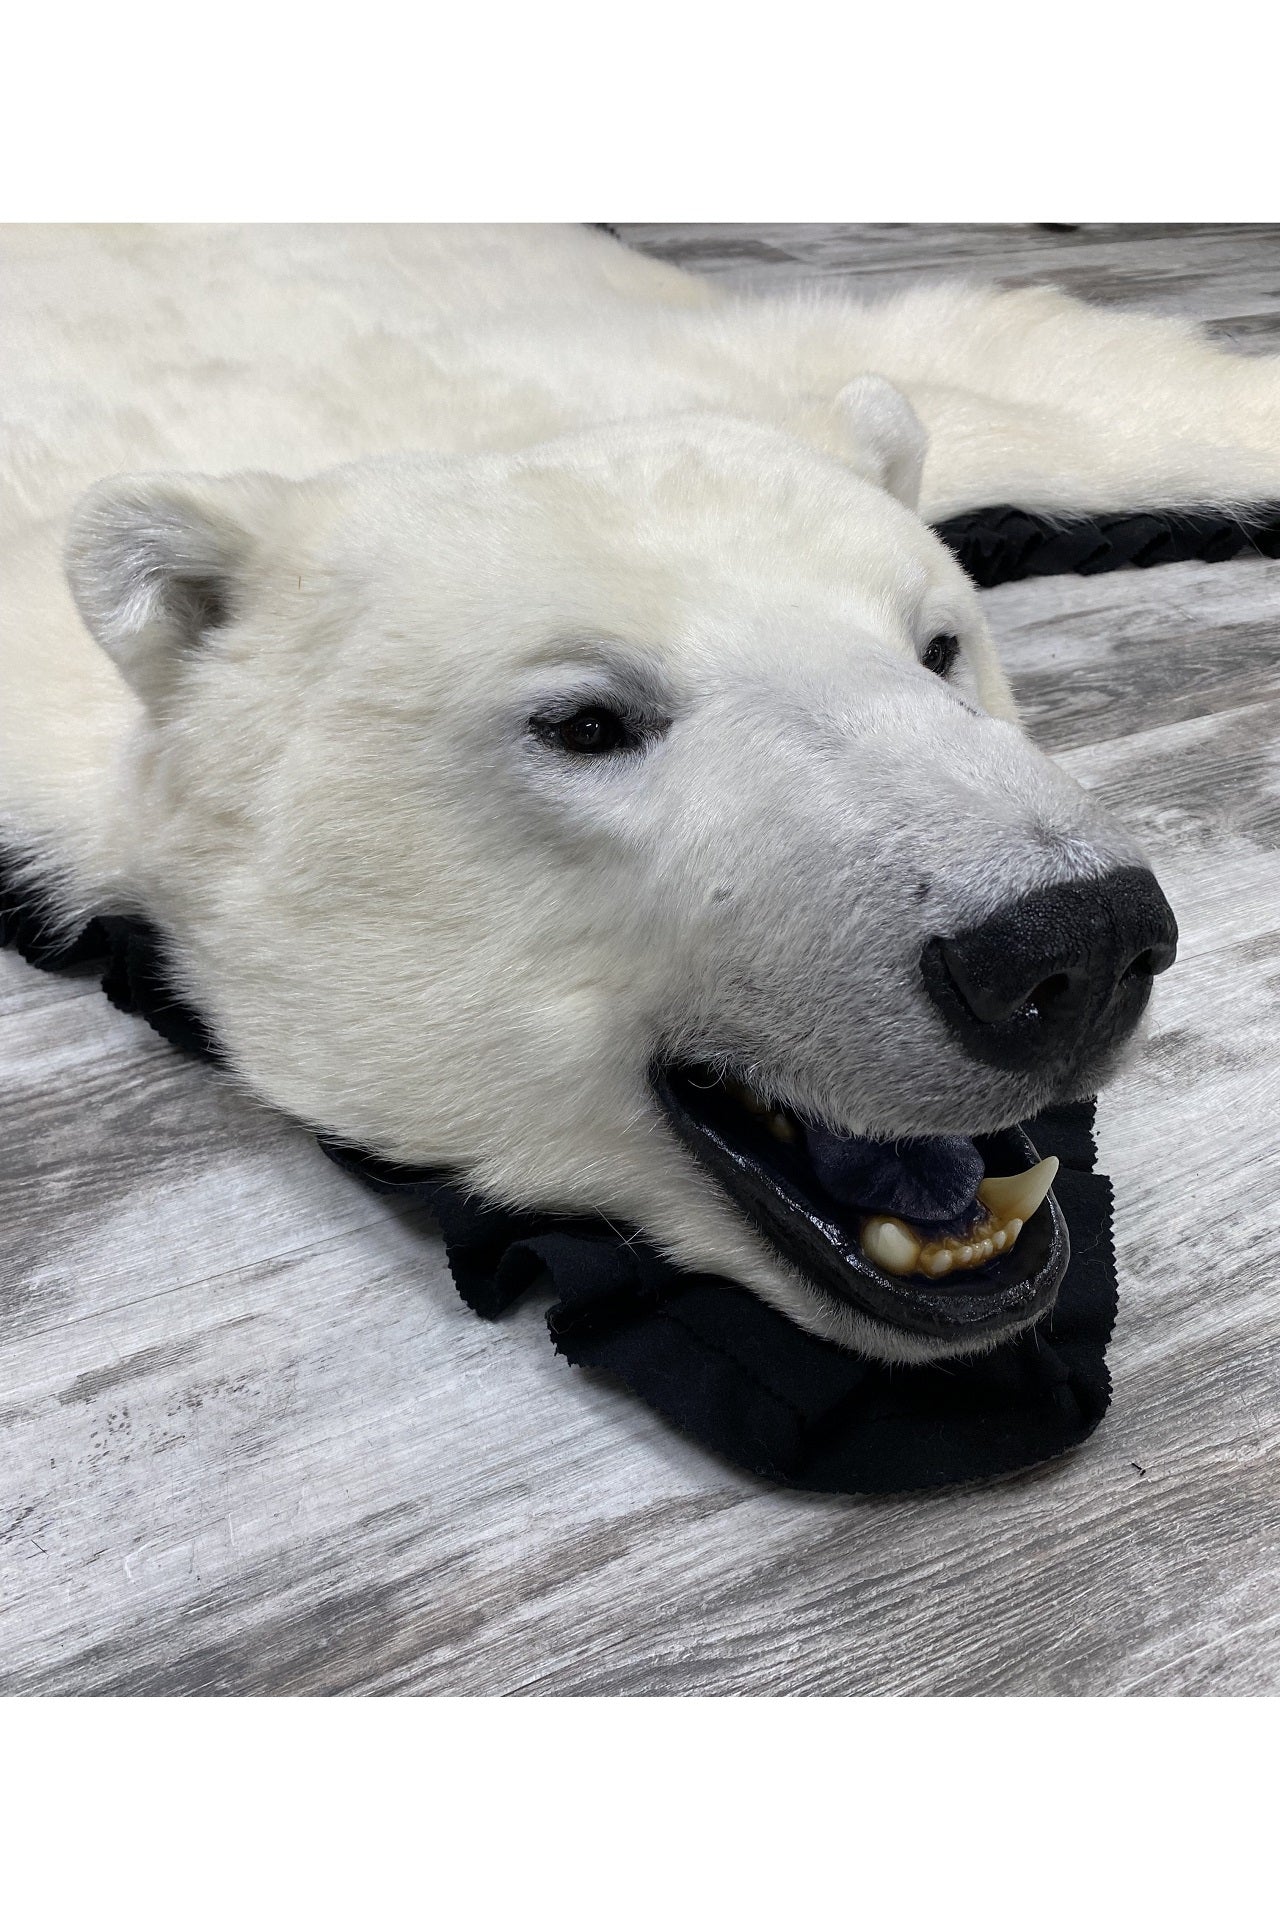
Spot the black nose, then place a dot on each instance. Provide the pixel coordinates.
(1059, 978)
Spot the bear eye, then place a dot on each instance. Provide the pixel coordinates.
(940, 654)
(591, 730)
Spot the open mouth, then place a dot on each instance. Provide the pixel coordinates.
(951, 1238)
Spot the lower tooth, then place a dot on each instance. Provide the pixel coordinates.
(891, 1245)
(781, 1128)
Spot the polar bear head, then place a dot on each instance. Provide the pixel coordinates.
(622, 824)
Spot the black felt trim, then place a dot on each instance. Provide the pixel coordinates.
(721, 1365)
(128, 953)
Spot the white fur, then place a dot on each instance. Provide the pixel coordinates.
(410, 922)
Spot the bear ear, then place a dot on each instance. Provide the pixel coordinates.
(888, 435)
(157, 561)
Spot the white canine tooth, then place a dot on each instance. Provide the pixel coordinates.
(891, 1245)
(1017, 1195)
(938, 1262)
(780, 1127)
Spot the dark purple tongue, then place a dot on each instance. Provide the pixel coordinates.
(933, 1179)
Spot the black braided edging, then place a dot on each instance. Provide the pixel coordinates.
(998, 544)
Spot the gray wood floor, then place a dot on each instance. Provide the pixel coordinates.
(253, 1443)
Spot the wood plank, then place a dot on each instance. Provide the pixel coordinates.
(1095, 659)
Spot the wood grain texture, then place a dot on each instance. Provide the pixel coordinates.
(252, 1442)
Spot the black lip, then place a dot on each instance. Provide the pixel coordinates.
(775, 1188)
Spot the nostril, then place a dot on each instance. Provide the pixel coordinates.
(1151, 961)
(1047, 997)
